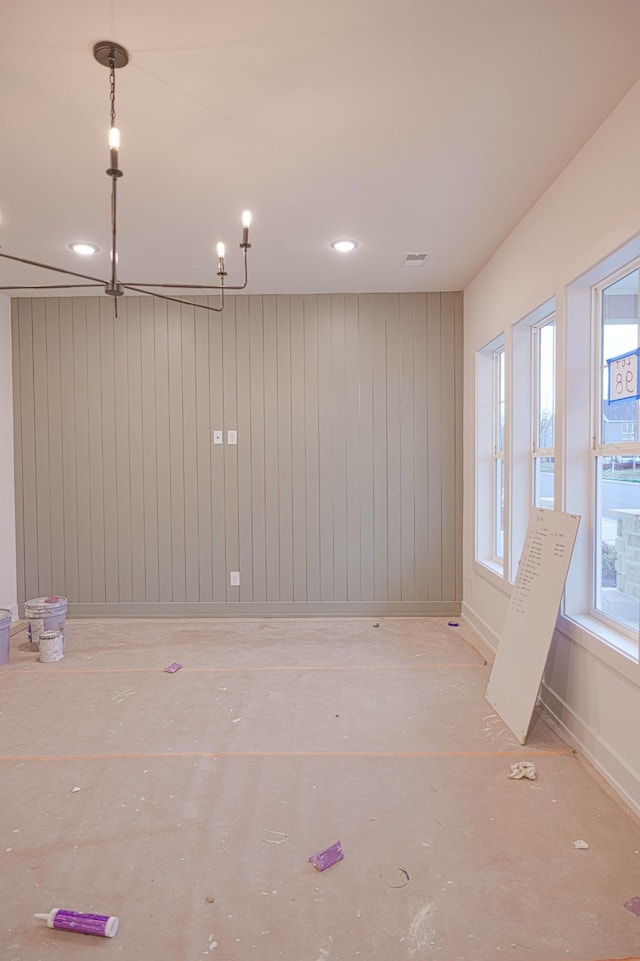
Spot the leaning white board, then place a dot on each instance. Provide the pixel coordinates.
(531, 617)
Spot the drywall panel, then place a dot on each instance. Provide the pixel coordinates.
(342, 489)
(531, 617)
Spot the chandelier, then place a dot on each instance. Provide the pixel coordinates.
(114, 56)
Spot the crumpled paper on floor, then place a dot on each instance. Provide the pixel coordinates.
(523, 769)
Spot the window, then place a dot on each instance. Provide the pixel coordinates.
(531, 446)
(543, 337)
(616, 461)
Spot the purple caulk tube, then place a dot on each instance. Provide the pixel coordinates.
(100, 924)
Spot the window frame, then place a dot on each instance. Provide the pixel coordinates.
(488, 456)
(629, 638)
(576, 410)
(499, 405)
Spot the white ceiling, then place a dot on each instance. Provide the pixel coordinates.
(412, 126)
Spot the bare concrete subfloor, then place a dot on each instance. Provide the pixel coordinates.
(188, 804)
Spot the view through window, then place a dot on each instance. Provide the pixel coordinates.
(617, 463)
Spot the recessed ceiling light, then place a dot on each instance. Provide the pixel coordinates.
(344, 246)
(80, 247)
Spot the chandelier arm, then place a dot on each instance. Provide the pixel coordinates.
(176, 300)
(49, 286)
(221, 286)
(60, 270)
(187, 286)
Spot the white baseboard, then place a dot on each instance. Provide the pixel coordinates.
(487, 633)
(612, 768)
(266, 609)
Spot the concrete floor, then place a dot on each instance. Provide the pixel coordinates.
(189, 804)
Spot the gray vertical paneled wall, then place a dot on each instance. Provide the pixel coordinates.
(343, 494)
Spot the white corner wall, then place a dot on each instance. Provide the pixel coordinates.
(592, 209)
(8, 585)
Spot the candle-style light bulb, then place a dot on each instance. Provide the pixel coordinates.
(246, 223)
(114, 144)
(220, 249)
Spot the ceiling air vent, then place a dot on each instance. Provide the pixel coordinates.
(414, 260)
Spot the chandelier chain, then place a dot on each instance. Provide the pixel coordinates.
(112, 89)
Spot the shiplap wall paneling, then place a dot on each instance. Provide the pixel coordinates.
(190, 455)
(408, 488)
(205, 451)
(435, 460)
(151, 551)
(364, 453)
(298, 450)
(245, 443)
(216, 399)
(420, 448)
(79, 386)
(344, 488)
(380, 449)
(352, 448)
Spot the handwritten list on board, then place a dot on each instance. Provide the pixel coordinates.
(531, 617)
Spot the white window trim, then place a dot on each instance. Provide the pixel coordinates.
(575, 482)
(485, 558)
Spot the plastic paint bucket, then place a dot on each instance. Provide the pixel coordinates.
(5, 631)
(50, 644)
(45, 614)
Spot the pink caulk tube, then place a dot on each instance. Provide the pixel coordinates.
(102, 925)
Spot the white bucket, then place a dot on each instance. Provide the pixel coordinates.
(5, 631)
(45, 614)
(50, 645)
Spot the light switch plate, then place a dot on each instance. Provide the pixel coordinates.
(232, 437)
(217, 437)
(234, 578)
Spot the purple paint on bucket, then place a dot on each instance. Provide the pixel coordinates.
(102, 925)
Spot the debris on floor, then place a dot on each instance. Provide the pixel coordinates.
(401, 880)
(376, 624)
(523, 769)
(209, 899)
(274, 837)
(324, 859)
(633, 905)
(581, 845)
(453, 624)
(74, 790)
(102, 925)
(173, 668)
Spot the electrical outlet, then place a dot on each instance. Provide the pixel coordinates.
(232, 437)
(217, 437)
(234, 578)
